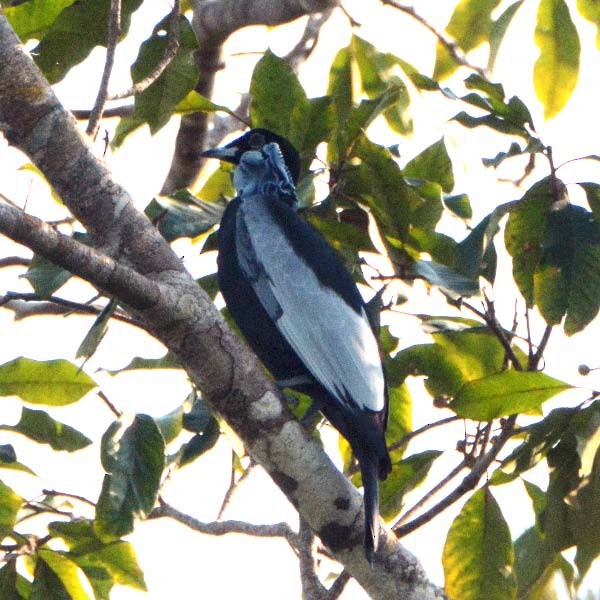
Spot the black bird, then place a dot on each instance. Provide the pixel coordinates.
(298, 306)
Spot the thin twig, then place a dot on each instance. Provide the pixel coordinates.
(434, 490)
(403, 441)
(69, 306)
(539, 353)
(336, 590)
(170, 53)
(14, 261)
(312, 588)
(114, 30)
(497, 330)
(54, 493)
(116, 112)
(282, 530)
(467, 484)
(234, 486)
(452, 48)
(310, 37)
(113, 409)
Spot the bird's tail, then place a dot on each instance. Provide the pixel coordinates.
(369, 468)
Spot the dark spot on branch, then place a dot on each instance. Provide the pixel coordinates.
(337, 537)
(342, 503)
(287, 484)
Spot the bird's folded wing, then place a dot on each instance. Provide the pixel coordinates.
(334, 341)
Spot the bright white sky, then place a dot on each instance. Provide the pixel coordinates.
(227, 567)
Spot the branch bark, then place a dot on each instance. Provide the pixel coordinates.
(130, 261)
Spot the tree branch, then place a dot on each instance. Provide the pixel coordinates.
(114, 30)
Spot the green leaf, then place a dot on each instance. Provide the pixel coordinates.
(39, 426)
(75, 32)
(592, 192)
(470, 25)
(7, 454)
(52, 382)
(556, 70)
(472, 570)
(133, 456)
(195, 102)
(8, 581)
(499, 27)
(406, 475)
(168, 361)
(157, 103)
(87, 549)
(376, 75)
(400, 414)
(31, 20)
(126, 126)
(506, 393)
(45, 277)
(455, 358)
(433, 164)
(459, 204)
(340, 90)
(590, 10)
(97, 331)
(183, 215)
(539, 439)
(10, 503)
(200, 443)
(56, 577)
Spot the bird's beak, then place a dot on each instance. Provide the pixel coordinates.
(227, 153)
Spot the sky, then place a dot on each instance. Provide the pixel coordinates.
(237, 565)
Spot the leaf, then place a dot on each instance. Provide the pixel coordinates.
(449, 280)
(75, 32)
(195, 102)
(459, 204)
(45, 277)
(499, 27)
(340, 90)
(168, 361)
(432, 164)
(470, 25)
(376, 75)
(8, 581)
(157, 103)
(455, 358)
(400, 415)
(31, 20)
(40, 427)
(472, 571)
(556, 70)
(56, 577)
(406, 475)
(7, 454)
(183, 215)
(53, 382)
(590, 10)
(97, 331)
(133, 456)
(200, 443)
(87, 549)
(10, 503)
(506, 393)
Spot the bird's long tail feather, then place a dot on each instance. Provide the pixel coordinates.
(369, 467)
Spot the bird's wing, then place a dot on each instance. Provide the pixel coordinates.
(333, 339)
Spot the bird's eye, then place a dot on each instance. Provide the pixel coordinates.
(256, 141)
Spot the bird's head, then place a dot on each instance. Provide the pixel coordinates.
(256, 140)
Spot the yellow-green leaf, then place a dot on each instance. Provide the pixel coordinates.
(557, 68)
(10, 503)
(478, 555)
(52, 382)
(506, 393)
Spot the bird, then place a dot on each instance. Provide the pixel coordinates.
(298, 306)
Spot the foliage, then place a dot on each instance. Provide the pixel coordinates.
(480, 369)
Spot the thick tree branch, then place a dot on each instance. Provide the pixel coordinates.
(150, 281)
(213, 23)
